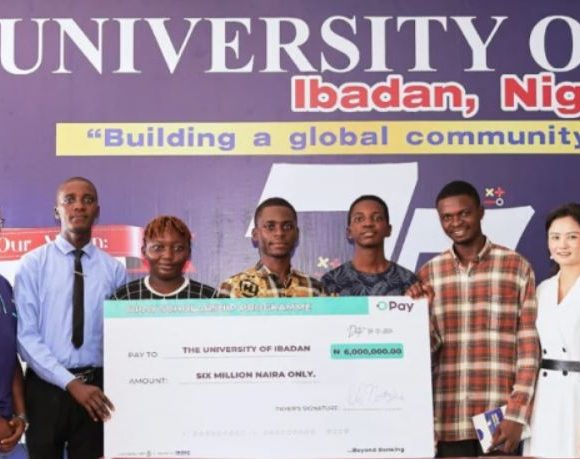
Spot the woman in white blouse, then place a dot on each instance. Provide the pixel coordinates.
(555, 421)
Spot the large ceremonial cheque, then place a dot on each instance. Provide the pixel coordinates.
(269, 378)
(228, 103)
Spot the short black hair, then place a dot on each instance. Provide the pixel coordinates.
(459, 188)
(78, 179)
(368, 197)
(271, 202)
(571, 209)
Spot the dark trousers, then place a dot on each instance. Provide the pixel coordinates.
(467, 448)
(57, 422)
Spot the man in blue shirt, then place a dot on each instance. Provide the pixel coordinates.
(12, 415)
(62, 347)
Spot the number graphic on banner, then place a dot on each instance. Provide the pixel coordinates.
(331, 188)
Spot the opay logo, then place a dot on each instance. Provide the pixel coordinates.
(394, 306)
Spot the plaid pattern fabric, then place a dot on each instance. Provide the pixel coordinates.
(261, 282)
(138, 290)
(485, 347)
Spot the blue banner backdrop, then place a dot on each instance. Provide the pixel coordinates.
(132, 66)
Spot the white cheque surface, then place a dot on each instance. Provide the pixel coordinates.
(269, 378)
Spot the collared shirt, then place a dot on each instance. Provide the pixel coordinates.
(141, 289)
(259, 281)
(347, 281)
(485, 344)
(43, 293)
(7, 348)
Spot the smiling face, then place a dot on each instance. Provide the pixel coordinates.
(368, 225)
(460, 218)
(276, 233)
(166, 255)
(564, 241)
(77, 208)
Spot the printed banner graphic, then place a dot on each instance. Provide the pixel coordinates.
(202, 109)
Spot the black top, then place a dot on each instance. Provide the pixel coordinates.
(347, 281)
(140, 289)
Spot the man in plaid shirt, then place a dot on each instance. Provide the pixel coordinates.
(484, 341)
